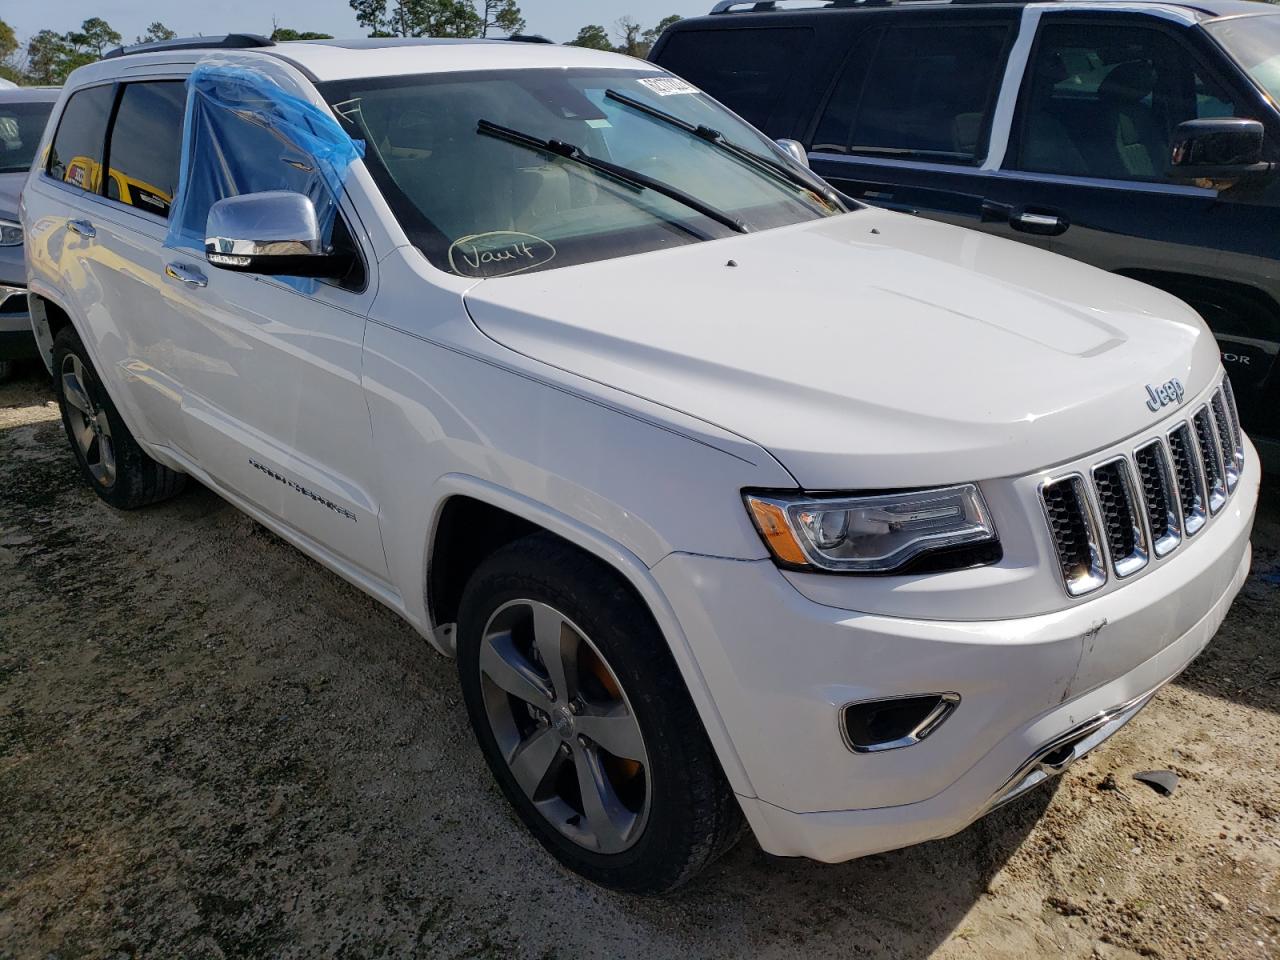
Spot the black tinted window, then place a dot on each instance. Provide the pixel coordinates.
(146, 145)
(76, 156)
(21, 126)
(1104, 100)
(926, 92)
(746, 70)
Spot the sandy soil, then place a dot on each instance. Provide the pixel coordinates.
(212, 747)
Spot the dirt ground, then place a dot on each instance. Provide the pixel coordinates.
(212, 747)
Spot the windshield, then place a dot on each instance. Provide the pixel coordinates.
(21, 126)
(1254, 43)
(484, 205)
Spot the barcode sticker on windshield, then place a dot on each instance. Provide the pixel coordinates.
(668, 86)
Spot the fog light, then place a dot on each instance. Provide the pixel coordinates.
(890, 724)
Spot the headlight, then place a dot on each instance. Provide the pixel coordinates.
(10, 234)
(875, 534)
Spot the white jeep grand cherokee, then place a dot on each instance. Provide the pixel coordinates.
(731, 499)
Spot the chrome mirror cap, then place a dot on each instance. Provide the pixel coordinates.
(242, 231)
(795, 150)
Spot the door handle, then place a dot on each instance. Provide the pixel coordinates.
(83, 227)
(188, 276)
(1039, 224)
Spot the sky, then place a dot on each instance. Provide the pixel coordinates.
(557, 19)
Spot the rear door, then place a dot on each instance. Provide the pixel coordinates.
(1090, 148)
(910, 118)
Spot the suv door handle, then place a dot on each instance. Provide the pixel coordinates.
(188, 276)
(1041, 224)
(82, 227)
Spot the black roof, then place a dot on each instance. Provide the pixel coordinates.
(736, 8)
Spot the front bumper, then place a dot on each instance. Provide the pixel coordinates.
(779, 667)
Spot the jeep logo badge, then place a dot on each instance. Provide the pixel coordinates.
(1165, 394)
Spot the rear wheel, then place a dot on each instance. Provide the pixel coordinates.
(112, 462)
(585, 722)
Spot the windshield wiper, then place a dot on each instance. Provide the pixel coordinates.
(632, 178)
(778, 170)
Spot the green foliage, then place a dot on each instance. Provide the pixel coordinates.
(8, 42)
(594, 37)
(157, 31)
(284, 33)
(501, 15)
(52, 56)
(418, 18)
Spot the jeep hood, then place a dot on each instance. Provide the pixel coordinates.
(870, 350)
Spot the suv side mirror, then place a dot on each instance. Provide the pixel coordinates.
(1220, 148)
(796, 151)
(274, 233)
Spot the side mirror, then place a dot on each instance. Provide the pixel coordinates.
(795, 150)
(1220, 148)
(274, 233)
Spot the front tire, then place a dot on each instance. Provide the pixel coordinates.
(583, 718)
(112, 462)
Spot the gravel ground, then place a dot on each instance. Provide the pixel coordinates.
(212, 747)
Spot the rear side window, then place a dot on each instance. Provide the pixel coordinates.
(746, 69)
(145, 147)
(76, 154)
(922, 92)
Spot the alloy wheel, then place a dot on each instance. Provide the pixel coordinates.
(90, 427)
(564, 726)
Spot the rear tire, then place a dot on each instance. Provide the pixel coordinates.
(112, 462)
(662, 811)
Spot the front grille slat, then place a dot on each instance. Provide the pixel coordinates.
(1075, 534)
(1215, 475)
(1121, 523)
(1186, 467)
(1160, 496)
(1143, 506)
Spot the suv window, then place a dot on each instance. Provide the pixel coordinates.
(76, 154)
(748, 69)
(146, 145)
(918, 91)
(21, 126)
(1103, 100)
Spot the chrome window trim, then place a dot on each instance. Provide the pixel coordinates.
(1125, 567)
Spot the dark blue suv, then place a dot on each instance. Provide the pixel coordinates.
(1140, 137)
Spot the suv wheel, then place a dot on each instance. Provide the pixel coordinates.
(585, 722)
(110, 459)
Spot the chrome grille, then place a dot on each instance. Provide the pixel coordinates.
(1075, 533)
(1211, 459)
(1121, 523)
(1186, 464)
(1160, 494)
(1143, 506)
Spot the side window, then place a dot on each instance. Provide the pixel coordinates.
(924, 92)
(145, 146)
(832, 133)
(1103, 100)
(745, 69)
(76, 154)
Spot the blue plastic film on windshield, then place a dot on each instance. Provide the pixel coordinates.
(245, 133)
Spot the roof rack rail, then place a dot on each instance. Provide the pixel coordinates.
(529, 38)
(765, 6)
(232, 41)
